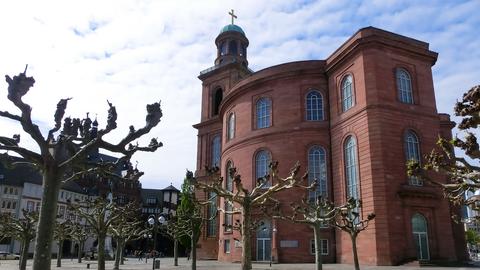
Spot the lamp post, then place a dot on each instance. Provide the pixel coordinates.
(153, 220)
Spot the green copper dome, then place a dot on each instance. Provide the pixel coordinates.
(232, 27)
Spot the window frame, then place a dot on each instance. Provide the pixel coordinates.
(230, 126)
(267, 163)
(350, 167)
(263, 114)
(350, 97)
(212, 222)
(216, 150)
(408, 152)
(322, 246)
(404, 94)
(324, 170)
(310, 112)
(226, 246)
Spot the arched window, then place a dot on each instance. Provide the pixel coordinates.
(232, 46)
(228, 218)
(216, 151)
(351, 171)
(212, 214)
(231, 126)
(404, 86)
(223, 48)
(262, 160)
(317, 170)
(314, 106)
(229, 182)
(263, 110)
(420, 236)
(412, 153)
(347, 93)
(217, 99)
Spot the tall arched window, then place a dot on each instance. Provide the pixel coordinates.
(420, 236)
(216, 151)
(212, 214)
(217, 99)
(347, 93)
(314, 106)
(404, 86)
(228, 218)
(412, 152)
(262, 160)
(317, 170)
(263, 110)
(231, 126)
(351, 167)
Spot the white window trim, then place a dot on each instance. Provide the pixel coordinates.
(312, 246)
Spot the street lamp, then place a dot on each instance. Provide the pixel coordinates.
(153, 220)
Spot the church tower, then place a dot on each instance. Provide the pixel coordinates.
(230, 67)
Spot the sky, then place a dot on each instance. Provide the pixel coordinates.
(134, 53)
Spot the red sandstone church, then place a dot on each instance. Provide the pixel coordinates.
(352, 120)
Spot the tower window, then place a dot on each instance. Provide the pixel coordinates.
(232, 47)
(223, 48)
(216, 151)
(262, 161)
(412, 152)
(217, 99)
(231, 126)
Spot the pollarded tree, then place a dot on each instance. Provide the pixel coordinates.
(21, 229)
(350, 221)
(463, 186)
(173, 230)
(318, 214)
(63, 151)
(60, 233)
(243, 201)
(124, 228)
(79, 233)
(99, 214)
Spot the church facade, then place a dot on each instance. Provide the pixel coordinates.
(352, 121)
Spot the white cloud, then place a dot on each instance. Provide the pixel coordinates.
(138, 52)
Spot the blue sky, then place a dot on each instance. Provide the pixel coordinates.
(138, 52)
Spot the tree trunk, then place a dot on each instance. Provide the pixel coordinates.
(48, 211)
(193, 247)
(118, 254)
(24, 254)
(175, 252)
(354, 249)
(318, 247)
(101, 252)
(246, 238)
(80, 251)
(122, 259)
(59, 253)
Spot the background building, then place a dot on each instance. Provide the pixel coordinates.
(352, 120)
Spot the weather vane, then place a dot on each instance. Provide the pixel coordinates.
(233, 15)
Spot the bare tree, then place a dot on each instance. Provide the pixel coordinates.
(124, 228)
(351, 222)
(244, 201)
(79, 233)
(22, 229)
(99, 215)
(318, 214)
(61, 152)
(60, 233)
(173, 230)
(463, 185)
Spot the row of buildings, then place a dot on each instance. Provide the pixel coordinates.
(21, 188)
(353, 120)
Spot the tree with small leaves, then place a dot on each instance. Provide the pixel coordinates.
(317, 214)
(63, 151)
(243, 201)
(124, 228)
(79, 233)
(60, 233)
(463, 184)
(99, 214)
(21, 229)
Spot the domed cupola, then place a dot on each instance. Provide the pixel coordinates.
(231, 44)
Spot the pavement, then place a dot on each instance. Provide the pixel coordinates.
(167, 264)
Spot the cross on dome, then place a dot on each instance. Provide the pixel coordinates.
(231, 13)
